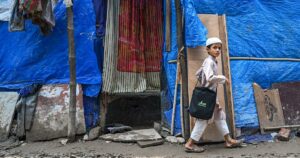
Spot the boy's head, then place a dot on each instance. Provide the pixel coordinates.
(213, 46)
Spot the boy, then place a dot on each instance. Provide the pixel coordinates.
(209, 78)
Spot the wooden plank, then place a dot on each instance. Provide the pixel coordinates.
(289, 95)
(103, 111)
(195, 58)
(183, 69)
(278, 127)
(175, 99)
(144, 144)
(227, 73)
(168, 25)
(268, 107)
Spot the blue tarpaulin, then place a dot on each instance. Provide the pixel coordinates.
(263, 29)
(170, 73)
(29, 57)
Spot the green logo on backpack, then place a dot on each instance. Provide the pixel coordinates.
(202, 104)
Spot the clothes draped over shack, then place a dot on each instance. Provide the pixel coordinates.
(39, 11)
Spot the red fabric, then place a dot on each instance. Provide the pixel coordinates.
(140, 36)
(31, 5)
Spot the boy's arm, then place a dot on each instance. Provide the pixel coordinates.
(209, 74)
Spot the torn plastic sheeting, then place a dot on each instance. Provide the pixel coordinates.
(172, 55)
(28, 57)
(91, 112)
(195, 32)
(265, 73)
(168, 114)
(170, 73)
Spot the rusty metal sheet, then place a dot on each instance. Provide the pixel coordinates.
(290, 99)
(7, 108)
(52, 113)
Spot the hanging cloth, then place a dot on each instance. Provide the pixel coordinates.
(140, 36)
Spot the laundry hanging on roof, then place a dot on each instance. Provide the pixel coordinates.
(39, 11)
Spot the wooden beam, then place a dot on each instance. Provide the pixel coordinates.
(227, 73)
(183, 69)
(265, 59)
(175, 100)
(168, 25)
(72, 63)
(278, 127)
(103, 110)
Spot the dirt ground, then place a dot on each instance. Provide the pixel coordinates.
(101, 148)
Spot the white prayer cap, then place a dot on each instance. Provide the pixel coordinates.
(213, 40)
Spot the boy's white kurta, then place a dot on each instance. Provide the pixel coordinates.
(208, 77)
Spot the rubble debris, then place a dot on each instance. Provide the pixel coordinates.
(144, 144)
(92, 134)
(116, 128)
(133, 136)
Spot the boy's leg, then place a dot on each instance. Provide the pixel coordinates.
(220, 122)
(200, 126)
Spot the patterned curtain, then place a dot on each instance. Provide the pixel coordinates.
(140, 36)
(133, 46)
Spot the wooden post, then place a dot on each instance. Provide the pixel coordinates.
(183, 70)
(72, 62)
(103, 111)
(227, 73)
(168, 25)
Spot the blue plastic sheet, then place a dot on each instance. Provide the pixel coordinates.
(244, 73)
(194, 30)
(29, 57)
(257, 138)
(100, 11)
(91, 112)
(258, 28)
(170, 73)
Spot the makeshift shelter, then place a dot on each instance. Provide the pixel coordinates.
(262, 42)
(30, 58)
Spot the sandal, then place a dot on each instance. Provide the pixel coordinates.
(234, 144)
(194, 149)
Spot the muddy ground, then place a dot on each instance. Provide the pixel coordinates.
(101, 148)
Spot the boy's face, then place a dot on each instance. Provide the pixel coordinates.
(214, 50)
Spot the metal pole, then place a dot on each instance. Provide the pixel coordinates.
(72, 62)
(265, 59)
